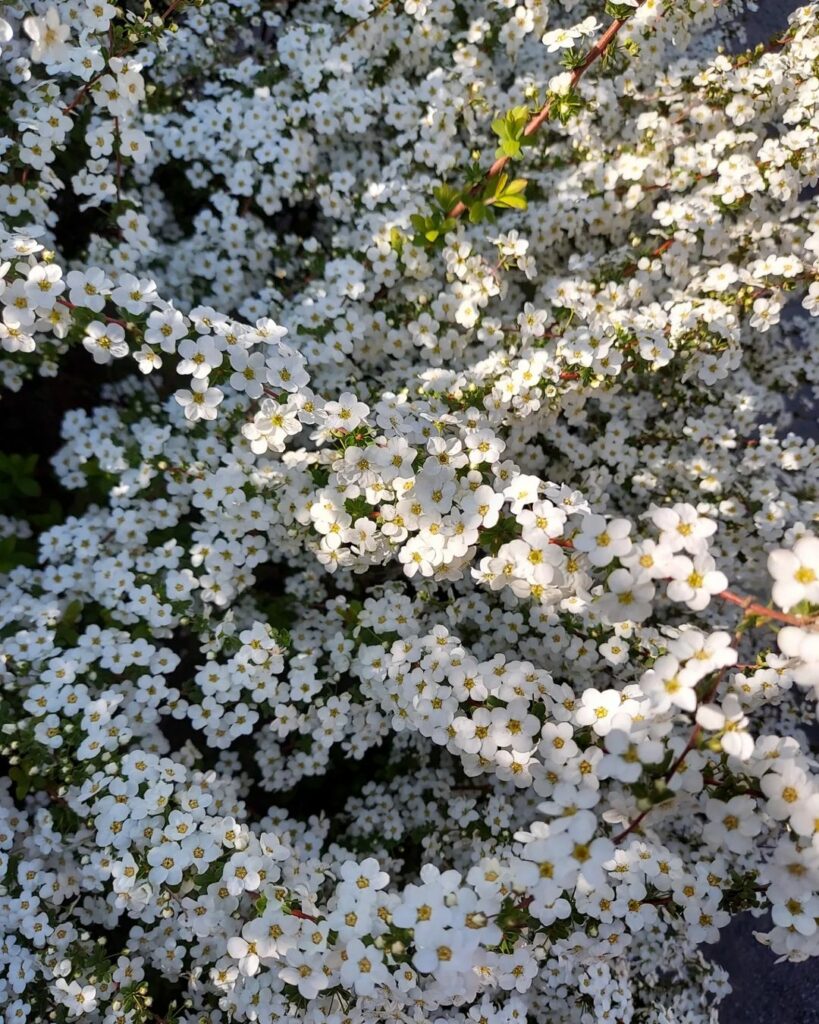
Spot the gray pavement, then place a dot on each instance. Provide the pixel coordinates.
(769, 20)
(763, 991)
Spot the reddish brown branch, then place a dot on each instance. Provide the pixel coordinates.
(107, 319)
(752, 607)
(300, 913)
(631, 826)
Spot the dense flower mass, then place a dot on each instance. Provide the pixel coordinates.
(431, 630)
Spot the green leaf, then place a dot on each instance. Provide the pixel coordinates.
(506, 194)
(477, 212)
(22, 782)
(446, 197)
(515, 187)
(432, 229)
(11, 555)
(65, 634)
(510, 131)
(511, 202)
(71, 613)
(30, 488)
(573, 58)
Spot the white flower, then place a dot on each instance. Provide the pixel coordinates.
(796, 573)
(105, 342)
(797, 912)
(561, 85)
(730, 720)
(246, 952)
(598, 709)
(603, 540)
(629, 597)
(48, 36)
(667, 683)
(200, 402)
(802, 646)
(6, 33)
(681, 526)
(78, 998)
(695, 581)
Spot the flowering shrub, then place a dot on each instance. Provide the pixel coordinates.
(447, 457)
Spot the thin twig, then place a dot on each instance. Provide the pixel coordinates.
(752, 607)
(107, 319)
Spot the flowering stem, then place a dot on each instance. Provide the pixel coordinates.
(542, 115)
(81, 93)
(697, 730)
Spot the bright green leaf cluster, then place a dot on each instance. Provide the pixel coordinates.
(507, 194)
(430, 230)
(499, 191)
(17, 474)
(510, 131)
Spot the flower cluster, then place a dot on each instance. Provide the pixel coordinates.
(431, 629)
